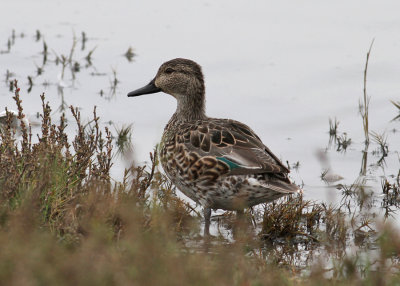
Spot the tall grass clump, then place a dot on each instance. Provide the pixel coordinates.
(57, 178)
(52, 174)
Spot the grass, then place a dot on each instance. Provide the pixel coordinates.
(391, 194)
(383, 148)
(129, 55)
(397, 105)
(333, 127)
(343, 142)
(64, 221)
(124, 140)
(364, 104)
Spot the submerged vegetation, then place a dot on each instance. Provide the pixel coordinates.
(64, 220)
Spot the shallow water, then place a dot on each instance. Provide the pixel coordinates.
(282, 68)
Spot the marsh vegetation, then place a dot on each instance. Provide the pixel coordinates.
(65, 220)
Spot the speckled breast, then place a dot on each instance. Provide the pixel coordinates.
(196, 176)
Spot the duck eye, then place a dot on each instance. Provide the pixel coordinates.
(169, 70)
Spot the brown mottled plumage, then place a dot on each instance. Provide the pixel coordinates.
(219, 163)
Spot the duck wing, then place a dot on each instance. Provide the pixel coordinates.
(233, 143)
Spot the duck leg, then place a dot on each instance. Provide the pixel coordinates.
(207, 218)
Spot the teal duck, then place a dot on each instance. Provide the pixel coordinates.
(218, 163)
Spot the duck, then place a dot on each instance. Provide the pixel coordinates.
(218, 163)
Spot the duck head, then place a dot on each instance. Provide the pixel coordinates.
(183, 79)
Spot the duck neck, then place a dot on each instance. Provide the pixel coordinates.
(191, 106)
